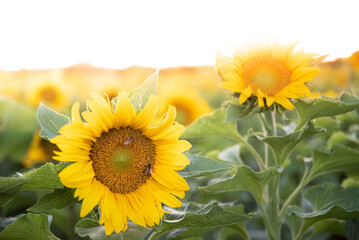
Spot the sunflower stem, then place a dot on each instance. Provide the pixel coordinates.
(254, 152)
(289, 200)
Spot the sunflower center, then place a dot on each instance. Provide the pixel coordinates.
(268, 75)
(122, 159)
(49, 94)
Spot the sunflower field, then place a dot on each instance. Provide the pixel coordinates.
(262, 145)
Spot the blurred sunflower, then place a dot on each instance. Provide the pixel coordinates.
(50, 93)
(40, 150)
(354, 60)
(333, 79)
(188, 103)
(123, 163)
(272, 73)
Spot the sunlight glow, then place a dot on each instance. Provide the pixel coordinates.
(118, 34)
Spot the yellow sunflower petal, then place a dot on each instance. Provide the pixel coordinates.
(124, 113)
(147, 114)
(75, 113)
(91, 200)
(78, 174)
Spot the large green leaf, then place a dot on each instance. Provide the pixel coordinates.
(203, 166)
(90, 228)
(236, 111)
(283, 145)
(328, 201)
(139, 96)
(340, 159)
(212, 125)
(9, 186)
(29, 227)
(245, 179)
(193, 219)
(50, 121)
(321, 107)
(43, 178)
(17, 126)
(60, 198)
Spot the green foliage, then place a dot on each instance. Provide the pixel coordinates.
(139, 96)
(17, 126)
(44, 178)
(328, 201)
(202, 166)
(30, 227)
(236, 111)
(244, 179)
(90, 228)
(50, 121)
(9, 187)
(194, 219)
(283, 145)
(60, 198)
(322, 107)
(212, 125)
(341, 159)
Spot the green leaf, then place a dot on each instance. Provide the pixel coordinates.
(17, 126)
(236, 111)
(50, 121)
(203, 166)
(139, 96)
(43, 178)
(283, 145)
(29, 227)
(192, 218)
(245, 179)
(90, 228)
(212, 125)
(9, 186)
(328, 201)
(322, 107)
(328, 226)
(341, 159)
(60, 198)
(342, 138)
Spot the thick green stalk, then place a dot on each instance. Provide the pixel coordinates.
(296, 191)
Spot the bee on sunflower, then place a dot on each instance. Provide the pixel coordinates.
(122, 162)
(272, 73)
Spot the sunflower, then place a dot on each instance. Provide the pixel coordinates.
(354, 60)
(39, 151)
(188, 103)
(123, 163)
(48, 92)
(274, 73)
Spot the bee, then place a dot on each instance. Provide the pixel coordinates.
(128, 141)
(148, 170)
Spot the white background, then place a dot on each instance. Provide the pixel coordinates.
(118, 34)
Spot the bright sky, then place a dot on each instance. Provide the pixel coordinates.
(118, 34)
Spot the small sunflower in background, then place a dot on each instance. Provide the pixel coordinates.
(354, 60)
(188, 103)
(40, 151)
(50, 92)
(334, 78)
(122, 162)
(273, 73)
